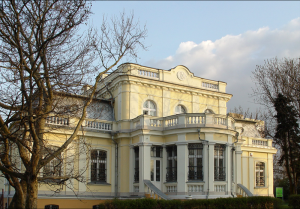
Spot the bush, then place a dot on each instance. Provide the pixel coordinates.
(220, 203)
(294, 201)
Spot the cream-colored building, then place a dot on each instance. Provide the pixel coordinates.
(162, 132)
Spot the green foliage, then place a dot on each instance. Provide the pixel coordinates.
(287, 137)
(294, 201)
(220, 203)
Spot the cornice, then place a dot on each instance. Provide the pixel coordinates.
(172, 87)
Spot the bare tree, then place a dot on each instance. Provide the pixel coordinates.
(279, 77)
(42, 59)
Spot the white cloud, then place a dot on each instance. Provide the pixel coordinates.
(232, 58)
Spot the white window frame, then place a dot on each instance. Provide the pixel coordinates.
(217, 158)
(98, 161)
(194, 148)
(259, 171)
(148, 110)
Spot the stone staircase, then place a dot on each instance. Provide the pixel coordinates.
(154, 192)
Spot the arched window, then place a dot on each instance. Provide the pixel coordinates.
(208, 111)
(98, 166)
(180, 109)
(149, 108)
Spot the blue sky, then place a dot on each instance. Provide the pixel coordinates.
(216, 40)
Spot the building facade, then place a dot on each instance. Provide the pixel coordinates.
(154, 131)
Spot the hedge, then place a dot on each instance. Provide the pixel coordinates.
(294, 201)
(256, 202)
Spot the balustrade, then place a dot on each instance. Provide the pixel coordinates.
(171, 122)
(171, 188)
(98, 125)
(195, 188)
(196, 120)
(260, 142)
(57, 120)
(219, 188)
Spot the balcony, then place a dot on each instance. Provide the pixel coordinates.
(187, 120)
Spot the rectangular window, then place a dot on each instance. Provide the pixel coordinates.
(136, 164)
(219, 162)
(54, 167)
(171, 163)
(260, 174)
(98, 165)
(195, 162)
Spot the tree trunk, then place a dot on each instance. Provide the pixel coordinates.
(19, 197)
(32, 192)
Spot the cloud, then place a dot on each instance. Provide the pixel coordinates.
(232, 58)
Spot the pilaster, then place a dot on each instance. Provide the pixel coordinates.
(131, 168)
(82, 165)
(164, 167)
(182, 163)
(211, 165)
(228, 164)
(251, 174)
(144, 164)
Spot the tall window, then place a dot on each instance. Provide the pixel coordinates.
(149, 108)
(195, 162)
(260, 174)
(180, 109)
(171, 163)
(98, 166)
(136, 164)
(156, 152)
(54, 167)
(219, 161)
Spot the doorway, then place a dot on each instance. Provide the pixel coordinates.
(156, 172)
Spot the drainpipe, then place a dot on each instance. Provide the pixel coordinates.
(115, 142)
(203, 140)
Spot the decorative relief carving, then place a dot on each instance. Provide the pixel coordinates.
(181, 75)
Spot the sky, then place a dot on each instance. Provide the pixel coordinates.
(218, 40)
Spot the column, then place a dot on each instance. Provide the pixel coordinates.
(82, 164)
(205, 166)
(251, 174)
(70, 165)
(131, 168)
(211, 165)
(164, 167)
(269, 174)
(182, 163)
(238, 155)
(144, 164)
(228, 167)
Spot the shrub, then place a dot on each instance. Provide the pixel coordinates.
(256, 202)
(294, 201)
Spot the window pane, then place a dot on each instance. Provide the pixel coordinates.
(152, 106)
(157, 170)
(146, 104)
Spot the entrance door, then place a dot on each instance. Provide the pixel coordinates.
(155, 174)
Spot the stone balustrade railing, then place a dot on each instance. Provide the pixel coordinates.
(183, 121)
